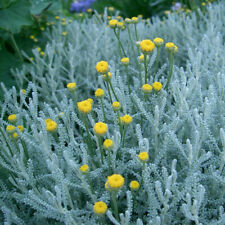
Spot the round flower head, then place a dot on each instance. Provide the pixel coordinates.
(128, 20)
(125, 61)
(116, 106)
(21, 128)
(147, 46)
(143, 156)
(157, 86)
(134, 19)
(15, 135)
(100, 128)
(10, 129)
(111, 9)
(90, 100)
(120, 25)
(102, 67)
(113, 23)
(99, 93)
(126, 119)
(71, 87)
(23, 91)
(12, 118)
(100, 208)
(84, 106)
(134, 185)
(141, 58)
(146, 88)
(115, 181)
(64, 33)
(108, 144)
(51, 126)
(170, 46)
(107, 76)
(158, 42)
(84, 169)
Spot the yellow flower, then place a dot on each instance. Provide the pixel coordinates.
(147, 46)
(126, 119)
(134, 19)
(116, 106)
(102, 67)
(170, 46)
(113, 23)
(90, 100)
(64, 33)
(84, 169)
(107, 186)
(10, 129)
(128, 20)
(63, 19)
(157, 86)
(111, 9)
(57, 17)
(71, 86)
(99, 93)
(134, 185)
(42, 53)
(115, 181)
(84, 106)
(12, 118)
(107, 76)
(146, 88)
(15, 135)
(141, 58)
(39, 49)
(100, 208)
(21, 128)
(100, 128)
(70, 21)
(32, 37)
(167, 12)
(42, 28)
(119, 17)
(125, 61)
(89, 10)
(63, 23)
(120, 25)
(108, 144)
(143, 156)
(80, 14)
(158, 42)
(51, 126)
(23, 91)
(203, 4)
(60, 115)
(32, 59)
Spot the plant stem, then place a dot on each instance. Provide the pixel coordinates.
(103, 110)
(16, 47)
(115, 205)
(110, 96)
(100, 148)
(128, 82)
(146, 69)
(124, 134)
(109, 162)
(136, 34)
(89, 136)
(157, 63)
(170, 69)
(118, 38)
(143, 169)
(113, 90)
(131, 42)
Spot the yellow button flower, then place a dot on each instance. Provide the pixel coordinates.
(111, 9)
(71, 87)
(128, 20)
(12, 118)
(115, 181)
(120, 25)
(84, 169)
(21, 128)
(107, 76)
(100, 208)
(99, 93)
(15, 135)
(84, 106)
(116, 106)
(134, 19)
(147, 46)
(23, 90)
(143, 156)
(170, 46)
(141, 58)
(158, 42)
(51, 126)
(157, 86)
(102, 67)
(134, 185)
(125, 61)
(90, 100)
(108, 144)
(100, 128)
(10, 129)
(146, 88)
(113, 23)
(64, 33)
(126, 119)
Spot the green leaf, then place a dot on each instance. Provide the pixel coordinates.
(16, 16)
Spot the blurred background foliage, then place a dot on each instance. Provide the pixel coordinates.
(23, 21)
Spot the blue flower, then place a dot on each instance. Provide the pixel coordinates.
(81, 6)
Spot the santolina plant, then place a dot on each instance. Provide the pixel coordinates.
(103, 137)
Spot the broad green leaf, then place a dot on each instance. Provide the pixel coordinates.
(16, 16)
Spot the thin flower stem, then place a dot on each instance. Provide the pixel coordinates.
(16, 47)
(128, 80)
(131, 42)
(10, 150)
(109, 162)
(100, 148)
(143, 169)
(110, 96)
(171, 57)
(118, 38)
(136, 34)
(146, 68)
(157, 63)
(90, 183)
(113, 196)
(89, 136)
(124, 134)
(113, 90)
(103, 110)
